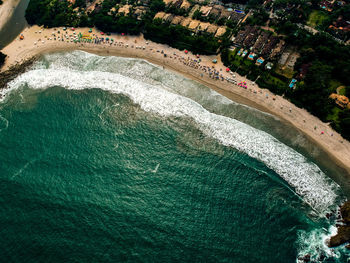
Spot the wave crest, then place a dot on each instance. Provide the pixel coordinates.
(305, 177)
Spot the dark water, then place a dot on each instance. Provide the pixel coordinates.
(99, 167)
(15, 25)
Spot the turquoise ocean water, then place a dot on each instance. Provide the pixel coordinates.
(106, 159)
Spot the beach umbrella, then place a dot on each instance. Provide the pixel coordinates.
(123, 34)
(215, 60)
(186, 51)
(90, 30)
(102, 33)
(227, 69)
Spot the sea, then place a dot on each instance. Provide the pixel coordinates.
(110, 159)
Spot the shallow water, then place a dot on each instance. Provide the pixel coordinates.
(114, 159)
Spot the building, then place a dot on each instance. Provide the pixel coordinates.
(185, 5)
(340, 100)
(193, 25)
(261, 41)
(168, 17)
(260, 61)
(251, 56)
(278, 51)
(220, 31)
(139, 11)
(203, 26)
(186, 22)
(205, 10)
(124, 9)
(268, 65)
(212, 29)
(159, 15)
(177, 20)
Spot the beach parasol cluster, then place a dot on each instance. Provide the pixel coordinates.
(243, 84)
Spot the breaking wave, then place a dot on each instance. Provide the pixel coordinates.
(305, 177)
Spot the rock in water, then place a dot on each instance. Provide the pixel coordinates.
(343, 234)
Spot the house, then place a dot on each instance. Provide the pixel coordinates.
(185, 5)
(139, 11)
(177, 3)
(220, 31)
(159, 15)
(236, 17)
(269, 65)
(278, 51)
(124, 9)
(186, 22)
(292, 60)
(225, 14)
(212, 29)
(204, 26)
(168, 17)
(177, 20)
(95, 5)
(205, 10)
(271, 43)
(216, 10)
(251, 37)
(340, 100)
(242, 34)
(260, 61)
(193, 25)
(260, 42)
(251, 56)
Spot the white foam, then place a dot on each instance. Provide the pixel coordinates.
(314, 243)
(305, 177)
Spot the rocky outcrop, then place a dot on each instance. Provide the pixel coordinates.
(343, 235)
(14, 71)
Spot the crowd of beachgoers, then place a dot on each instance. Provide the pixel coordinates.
(192, 61)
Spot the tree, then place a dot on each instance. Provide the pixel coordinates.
(344, 124)
(2, 59)
(157, 6)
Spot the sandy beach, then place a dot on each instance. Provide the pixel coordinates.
(38, 40)
(6, 10)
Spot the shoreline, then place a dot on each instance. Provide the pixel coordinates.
(337, 148)
(6, 11)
